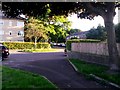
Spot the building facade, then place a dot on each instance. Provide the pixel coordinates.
(11, 29)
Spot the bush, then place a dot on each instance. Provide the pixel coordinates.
(43, 45)
(25, 45)
(68, 43)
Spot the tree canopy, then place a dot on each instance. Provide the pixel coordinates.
(54, 30)
(61, 28)
(97, 33)
(34, 29)
(72, 31)
(82, 9)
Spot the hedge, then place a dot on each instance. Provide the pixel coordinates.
(68, 42)
(25, 45)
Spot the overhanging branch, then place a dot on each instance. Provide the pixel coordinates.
(95, 10)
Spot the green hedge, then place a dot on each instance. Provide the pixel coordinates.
(68, 43)
(25, 45)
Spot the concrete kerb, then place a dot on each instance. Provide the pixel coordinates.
(73, 66)
(105, 81)
(50, 82)
(96, 77)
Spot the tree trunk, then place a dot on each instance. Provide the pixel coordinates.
(35, 42)
(111, 39)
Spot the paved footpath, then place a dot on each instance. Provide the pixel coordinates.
(54, 66)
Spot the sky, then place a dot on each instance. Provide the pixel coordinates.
(86, 24)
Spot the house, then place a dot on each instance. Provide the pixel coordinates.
(11, 29)
(79, 35)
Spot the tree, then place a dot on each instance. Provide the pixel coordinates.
(117, 29)
(35, 29)
(86, 10)
(61, 28)
(13, 9)
(74, 31)
(89, 10)
(56, 27)
(97, 33)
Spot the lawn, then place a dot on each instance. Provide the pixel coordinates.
(98, 70)
(14, 78)
(42, 50)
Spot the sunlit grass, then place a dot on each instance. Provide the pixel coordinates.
(87, 68)
(42, 50)
(13, 78)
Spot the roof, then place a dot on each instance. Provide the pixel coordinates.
(5, 17)
(79, 33)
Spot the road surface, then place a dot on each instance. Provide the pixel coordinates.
(54, 66)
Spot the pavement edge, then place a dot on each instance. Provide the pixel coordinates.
(50, 81)
(96, 77)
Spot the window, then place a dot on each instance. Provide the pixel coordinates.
(10, 23)
(19, 23)
(10, 32)
(20, 33)
(1, 22)
(1, 32)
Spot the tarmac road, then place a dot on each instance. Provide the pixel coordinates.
(54, 66)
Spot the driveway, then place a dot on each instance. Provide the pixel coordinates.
(54, 66)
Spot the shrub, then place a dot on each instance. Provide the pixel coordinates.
(25, 45)
(68, 43)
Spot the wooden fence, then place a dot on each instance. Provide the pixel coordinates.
(93, 48)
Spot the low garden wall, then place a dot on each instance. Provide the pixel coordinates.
(93, 52)
(92, 48)
(91, 58)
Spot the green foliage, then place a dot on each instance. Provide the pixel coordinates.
(43, 45)
(101, 34)
(99, 70)
(44, 28)
(97, 33)
(88, 68)
(34, 28)
(14, 78)
(37, 8)
(25, 45)
(74, 31)
(60, 28)
(42, 50)
(68, 43)
(44, 25)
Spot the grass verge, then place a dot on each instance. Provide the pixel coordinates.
(41, 50)
(98, 70)
(13, 78)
